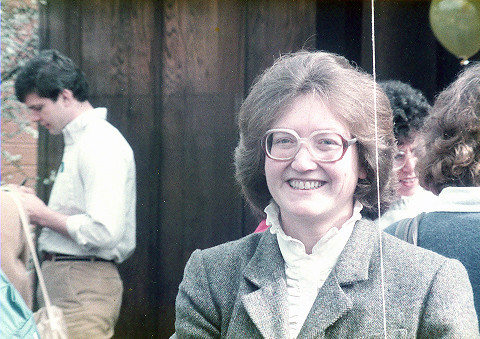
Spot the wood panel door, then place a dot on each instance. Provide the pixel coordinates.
(173, 74)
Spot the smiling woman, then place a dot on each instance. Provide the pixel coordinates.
(315, 190)
(339, 89)
(410, 108)
(320, 271)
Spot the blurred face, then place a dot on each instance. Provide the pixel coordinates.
(50, 114)
(407, 179)
(306, 188)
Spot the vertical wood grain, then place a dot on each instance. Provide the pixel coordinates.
(172, 74)
(275, 28)
(202, 63)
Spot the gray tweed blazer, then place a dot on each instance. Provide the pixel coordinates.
(238, 290)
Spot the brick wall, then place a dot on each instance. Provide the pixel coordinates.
(25, 145)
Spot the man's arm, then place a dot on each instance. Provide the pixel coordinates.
(43, 216)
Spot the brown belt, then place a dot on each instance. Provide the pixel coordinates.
(66, 257)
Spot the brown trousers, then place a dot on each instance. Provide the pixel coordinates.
(89, 293)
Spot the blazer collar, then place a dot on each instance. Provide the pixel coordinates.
(268, 307)
(354, 262)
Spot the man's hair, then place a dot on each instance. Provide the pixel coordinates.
(451, 135)
(409, 106)
(48, 74)
(349, 92)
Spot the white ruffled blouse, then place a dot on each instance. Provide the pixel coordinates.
(306, 273)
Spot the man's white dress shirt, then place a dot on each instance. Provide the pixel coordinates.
(96, 186)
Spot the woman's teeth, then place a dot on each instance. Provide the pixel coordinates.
(304, 185)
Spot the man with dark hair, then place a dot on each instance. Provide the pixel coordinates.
(88, 226)
(410, 108)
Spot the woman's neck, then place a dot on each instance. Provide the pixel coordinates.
(310, 230)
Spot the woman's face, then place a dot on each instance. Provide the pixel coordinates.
(305, 188)
(407, 178)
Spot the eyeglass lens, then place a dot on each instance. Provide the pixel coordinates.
(283, 145)
(401, 158)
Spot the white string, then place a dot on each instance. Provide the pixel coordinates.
(374, 71)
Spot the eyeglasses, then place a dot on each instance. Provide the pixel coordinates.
(400, 159)
(324, 146)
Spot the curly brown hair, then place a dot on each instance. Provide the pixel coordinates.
(451, 136)
(409, 106)
(345, 87)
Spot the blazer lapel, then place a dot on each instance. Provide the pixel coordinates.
(352, 266)
(267, 306)
(331, 304)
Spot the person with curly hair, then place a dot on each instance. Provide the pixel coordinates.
(306, 161)
(410, 108)
(449, 166)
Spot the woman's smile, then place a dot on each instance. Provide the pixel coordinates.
(305, 185)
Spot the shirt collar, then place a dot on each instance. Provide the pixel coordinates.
(285, 241)
(459, 199)
(77, 125)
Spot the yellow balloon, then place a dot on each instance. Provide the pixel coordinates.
(456, 24)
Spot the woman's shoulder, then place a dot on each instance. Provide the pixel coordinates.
(241, 245)
(456, 218)
(233, 252)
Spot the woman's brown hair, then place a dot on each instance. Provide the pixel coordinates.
(349, 91)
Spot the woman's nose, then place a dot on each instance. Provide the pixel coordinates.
(410, 163)
(304, 160)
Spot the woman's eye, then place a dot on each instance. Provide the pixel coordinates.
(284, 141)
(327, 142)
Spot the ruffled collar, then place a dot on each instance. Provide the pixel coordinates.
(273, 220)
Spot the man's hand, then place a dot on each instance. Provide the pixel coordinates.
(40, 214)
(34, 206)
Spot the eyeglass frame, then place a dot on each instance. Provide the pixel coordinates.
(405, 159)
(346, 143)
